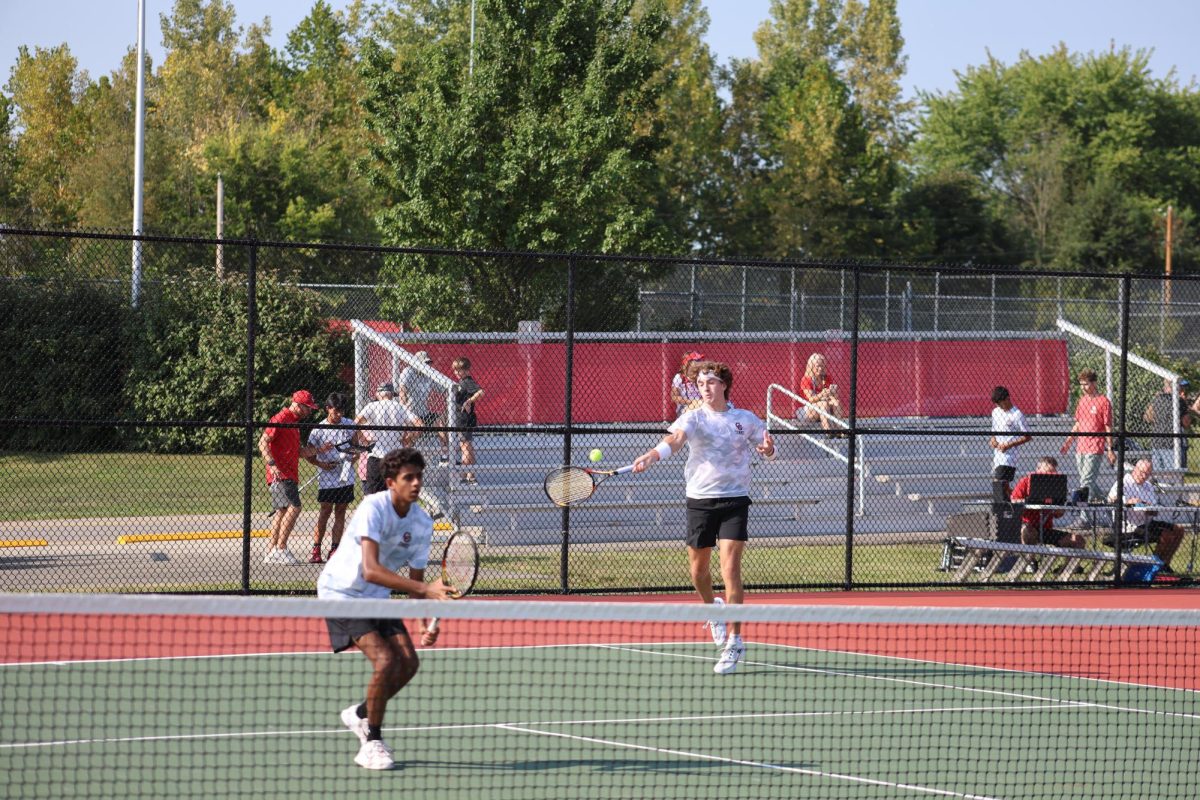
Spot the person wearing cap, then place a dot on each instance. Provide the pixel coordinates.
(1162, 424)
(281, 452)
(385, 410)
(684, 393)
(414, 390)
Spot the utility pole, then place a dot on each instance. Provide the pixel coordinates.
(139, 146)
(220, 227)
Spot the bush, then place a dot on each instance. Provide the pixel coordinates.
(66, 345)
(189, 358)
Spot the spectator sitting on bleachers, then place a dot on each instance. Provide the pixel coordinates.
(1037, 526)
(1139, 491)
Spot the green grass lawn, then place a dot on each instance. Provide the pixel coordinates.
(80, 485)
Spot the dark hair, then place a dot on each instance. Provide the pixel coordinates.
(1049, 461)
(463, 363)
(999, 394)
(336, 400)
(399, 458)
(1088, 375)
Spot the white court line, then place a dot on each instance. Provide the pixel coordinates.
(837, 776)
(927, 684)
(547, 722)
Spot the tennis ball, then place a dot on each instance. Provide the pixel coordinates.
(596, 455)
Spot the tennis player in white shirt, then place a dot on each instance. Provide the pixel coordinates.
(721, 441)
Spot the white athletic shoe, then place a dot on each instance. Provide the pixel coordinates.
(717, 628)
(733, 653)
(285, 556)
(356, 724)
(272, 556)
(374, 755)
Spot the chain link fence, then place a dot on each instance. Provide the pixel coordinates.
(134, 411)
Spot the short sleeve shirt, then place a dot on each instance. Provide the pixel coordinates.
(387, 412)
(417, 386)
(1038, 519)
(1012, 422)
(464, 390)
(720, 444)
(686, 389)
(1093, 413)
(1133, 490)
(284, 446)
(808, 388)
(403, 542)
(343, 474)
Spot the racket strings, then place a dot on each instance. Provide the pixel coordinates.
(569, 486)
(459, 565)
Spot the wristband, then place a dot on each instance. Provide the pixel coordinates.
(664, 451)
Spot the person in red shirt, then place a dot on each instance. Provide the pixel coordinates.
(281, 452)
(1037, 526)
(1093, 433)
(822, 396)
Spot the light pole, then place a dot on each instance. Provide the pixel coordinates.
(471, 57)
(139, 144)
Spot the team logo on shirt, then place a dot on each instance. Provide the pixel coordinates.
(738, 426)
(406, 538)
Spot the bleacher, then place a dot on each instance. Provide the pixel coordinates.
(911, 484)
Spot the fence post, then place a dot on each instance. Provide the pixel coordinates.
(852, 447)
(1121, 401)
(565, 548)
(248, 467)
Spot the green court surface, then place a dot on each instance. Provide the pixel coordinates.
(636, 720)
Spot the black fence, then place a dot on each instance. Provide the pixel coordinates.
(135, 406)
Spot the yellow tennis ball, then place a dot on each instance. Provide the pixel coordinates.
(596, 455)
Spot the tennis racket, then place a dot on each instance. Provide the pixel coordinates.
(570, 486)
(460, 567)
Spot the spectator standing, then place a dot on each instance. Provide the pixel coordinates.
(335, 474)
(385, 410)
(281, 452)
(1093, 433)
(414, 390)
(466, 394)
(1008, 433)
(1162, 423)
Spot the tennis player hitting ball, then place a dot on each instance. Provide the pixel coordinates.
(718, 492)
(389, 529)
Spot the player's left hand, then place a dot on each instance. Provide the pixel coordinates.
(429, 638)
(767, 448)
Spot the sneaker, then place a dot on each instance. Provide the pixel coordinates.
(374, 754)
(315, 558)
(470, 480)
(285, 556)
(356, 724)
(733, 653)
(332, 549)
(444, 460)
(716, 628)
(272, 557)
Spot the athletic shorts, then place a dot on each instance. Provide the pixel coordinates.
(1054, 536)
(1003, 473)
(429, 419)
(374, 481)
(717, 518)
(345, 632)
(1151, 531)
(338, 496)
(284, 494)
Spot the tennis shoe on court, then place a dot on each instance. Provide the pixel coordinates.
(272, 557)
(716, 627)
(356, 724)
(315, 558)
(374, 754)
(734, 652)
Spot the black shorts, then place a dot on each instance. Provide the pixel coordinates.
(284, 494)
(429, 419)
(1005, 474)
(717, 518)
(1151, 531)
(338, 496)
(1053, 536)
(374, 481)
(345, 632)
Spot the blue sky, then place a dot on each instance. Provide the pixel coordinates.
(941, 36)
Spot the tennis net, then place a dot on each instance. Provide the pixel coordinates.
(185, 697)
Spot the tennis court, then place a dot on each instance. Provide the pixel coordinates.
(572, 700)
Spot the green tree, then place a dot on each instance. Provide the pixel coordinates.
(46, 86)
(1077, 153)
(552, 144)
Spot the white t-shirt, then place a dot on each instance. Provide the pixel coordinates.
(326, 433)
(720, 444)
(386, 412)
(1012, 421)
(403, 542)
(417, 386)
(1143, 491)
